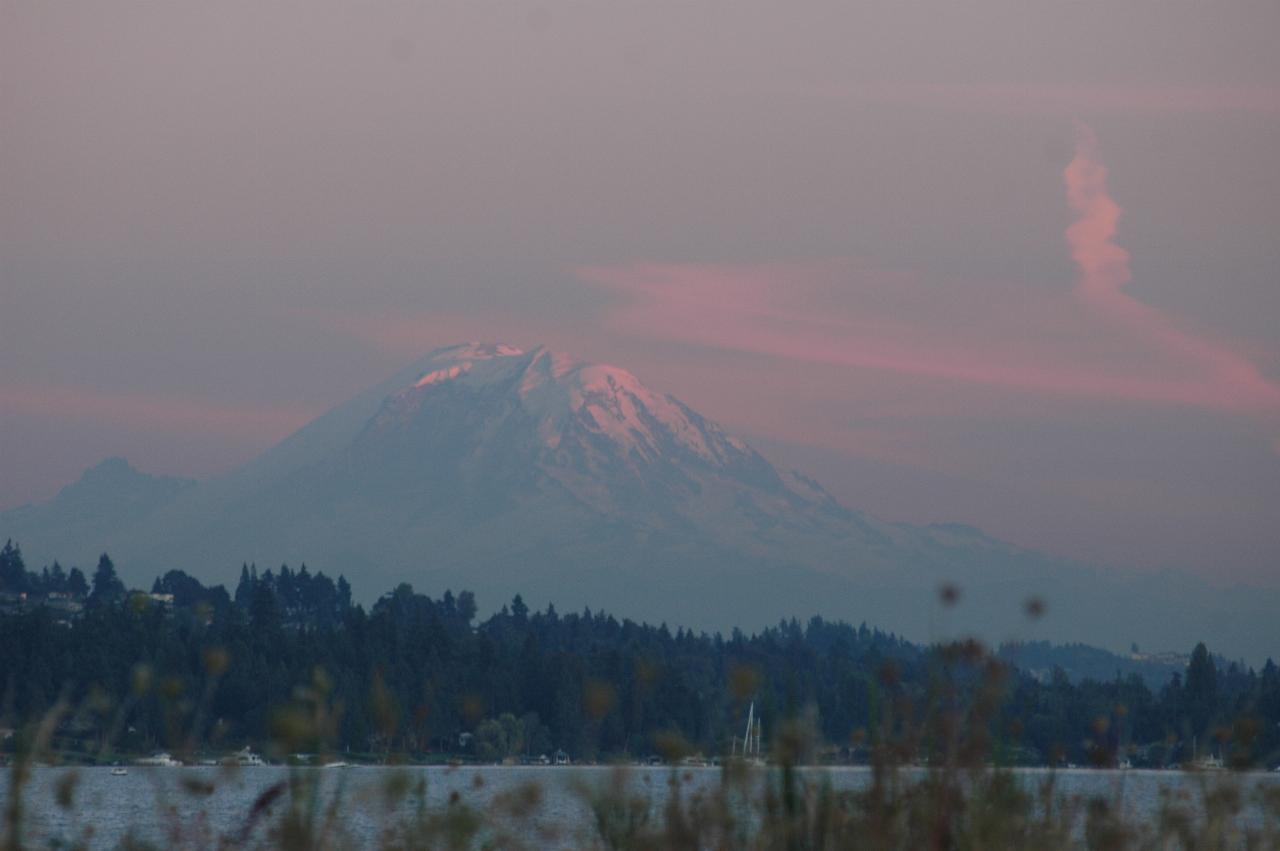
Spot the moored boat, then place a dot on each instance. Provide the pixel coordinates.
(247, 758)
(159, 759)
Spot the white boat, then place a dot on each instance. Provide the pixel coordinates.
(160, 759)
(119, 771)
(247, 758)
(338, 764)
(1210, 762)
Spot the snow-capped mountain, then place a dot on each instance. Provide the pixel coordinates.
(503, 471)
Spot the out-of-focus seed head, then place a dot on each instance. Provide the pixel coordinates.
(65, 789)
(216, 661)
(472, 709)
(744, 681)
(671, 746)
(598, 699)
(1035, 608)
(140, 679)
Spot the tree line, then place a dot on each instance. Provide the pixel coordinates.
(288, 658)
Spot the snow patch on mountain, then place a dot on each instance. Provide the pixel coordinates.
(438, 375)
(564, 394)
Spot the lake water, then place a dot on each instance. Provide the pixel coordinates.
(200, 806)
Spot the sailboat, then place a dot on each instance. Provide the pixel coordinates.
(1209, 762)
(751, 752)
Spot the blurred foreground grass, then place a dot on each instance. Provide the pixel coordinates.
(736, 806)
(958, 798)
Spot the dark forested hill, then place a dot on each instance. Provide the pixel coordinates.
(199, 669)
(1079, 662)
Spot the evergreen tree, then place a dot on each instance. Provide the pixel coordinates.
(77, 585)
(13, 572)
(264, 607)
(107, 587)
(1201, 690)
(76, 582)
(519, 610)
(244, 588)
(57, 579)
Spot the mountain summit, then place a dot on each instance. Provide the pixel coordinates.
(579, 421)
(503, 470)
(484, 458)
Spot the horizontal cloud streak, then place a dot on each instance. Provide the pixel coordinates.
(155, 413)
(1098, 344)
(722, 307)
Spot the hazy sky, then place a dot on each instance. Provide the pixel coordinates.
(1015, 264)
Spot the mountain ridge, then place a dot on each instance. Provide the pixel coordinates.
(501, 470)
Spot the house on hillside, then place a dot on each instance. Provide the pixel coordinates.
(65, 607)
(13, 602)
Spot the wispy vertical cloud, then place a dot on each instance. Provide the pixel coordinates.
(1103, 265)
(1223, 377)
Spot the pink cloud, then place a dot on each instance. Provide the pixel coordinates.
(1095, 343)
(726, 307)
(894, 346)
